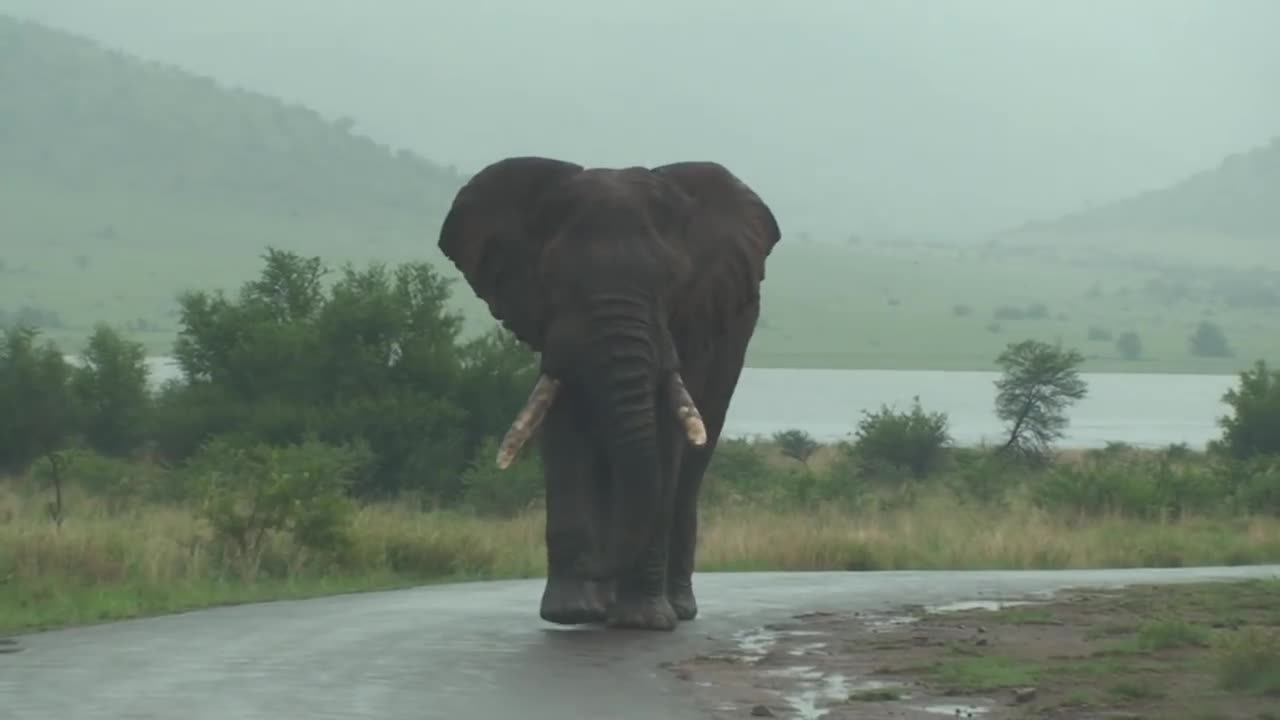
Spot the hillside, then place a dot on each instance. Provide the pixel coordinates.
(123, 182)
(1228, 215)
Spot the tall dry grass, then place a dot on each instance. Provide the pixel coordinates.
(108, 562)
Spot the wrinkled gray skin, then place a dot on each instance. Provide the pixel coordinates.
(627, 282)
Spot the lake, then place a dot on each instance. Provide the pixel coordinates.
(1149, 410)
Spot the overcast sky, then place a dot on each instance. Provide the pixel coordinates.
(908, 116)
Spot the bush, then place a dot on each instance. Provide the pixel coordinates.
(250, 491)
(914, 442)
(490, 491)
(796, 444)
(738, 472)
(1253, 426)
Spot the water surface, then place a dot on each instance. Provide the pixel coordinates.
(1149, 410)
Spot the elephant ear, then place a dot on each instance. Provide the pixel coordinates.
(488, 235)
(729, 235)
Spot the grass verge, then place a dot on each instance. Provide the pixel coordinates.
(120, 560)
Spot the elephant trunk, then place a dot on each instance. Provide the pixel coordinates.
(624, 379)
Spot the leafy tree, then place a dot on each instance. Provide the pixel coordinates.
(375, 357)
(1129, 345)
(111, 389)
(39, 414)
(1039, 381)
(1252, 429)
(1209, 340)
(796, 444)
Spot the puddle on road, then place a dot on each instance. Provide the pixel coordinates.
(815, 648)
(755, 643)
(977, 605)
(959, 711)
(891, 621)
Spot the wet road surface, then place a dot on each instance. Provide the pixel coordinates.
(475, 650)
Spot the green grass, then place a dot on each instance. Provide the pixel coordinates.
(1251, 662)
(985, 673)
(1171, 634)
(832, 308)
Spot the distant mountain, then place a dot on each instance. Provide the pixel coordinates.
(1231, 212)
(125, 182)
(81, 125)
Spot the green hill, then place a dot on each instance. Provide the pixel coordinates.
(1228, 215)
(123, 182)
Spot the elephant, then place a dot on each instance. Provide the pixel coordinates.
(639, 288)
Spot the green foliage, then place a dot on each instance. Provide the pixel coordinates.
(120, 482)
(247, 492)
(39, 413)
(738, 471)
(796, 444)
(376, 357)
(490, 491)
(1038, 383)
(914, 441)
(1253, 426)
(110, 388)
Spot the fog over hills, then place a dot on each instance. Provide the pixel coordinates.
(880, 117)
(1230, 211)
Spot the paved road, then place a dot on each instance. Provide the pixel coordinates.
(462, 651)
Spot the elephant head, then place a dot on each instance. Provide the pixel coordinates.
(600, 271)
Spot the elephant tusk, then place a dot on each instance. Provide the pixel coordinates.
(687, 412)
(528, 419)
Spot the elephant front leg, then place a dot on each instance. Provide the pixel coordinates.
(641, 600)
(572, 471)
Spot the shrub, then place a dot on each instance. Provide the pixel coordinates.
(796, 444)
(249, 491)
(488, 490)
(738, 472)
(914, 441)
(1252, 427)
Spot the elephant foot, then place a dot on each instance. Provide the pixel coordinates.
(643, 613)
(573, 602)
(683, 602)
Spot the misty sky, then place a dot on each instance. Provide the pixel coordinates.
(849, 115)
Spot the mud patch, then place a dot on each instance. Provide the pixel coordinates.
(1202, 651)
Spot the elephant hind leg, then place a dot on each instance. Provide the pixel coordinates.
(712, 376)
